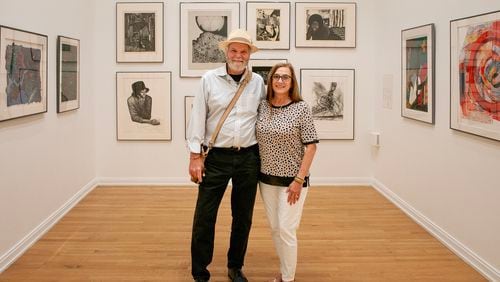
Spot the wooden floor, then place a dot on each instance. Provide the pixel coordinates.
(143, 234)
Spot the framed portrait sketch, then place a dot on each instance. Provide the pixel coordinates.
(325, 24)
(417, 73)
(474, 71)
(68, 74)
(188, 106)
(143, 105)
(269, 24)
(203, 26)
(262, 67)
(23, 73)
(139, 32)
(330, 94)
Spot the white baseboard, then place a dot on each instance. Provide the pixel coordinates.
(25, 243)
(486, 269)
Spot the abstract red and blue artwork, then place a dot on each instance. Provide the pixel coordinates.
(23, 73)
(475, 75)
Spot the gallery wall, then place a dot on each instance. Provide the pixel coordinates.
(46, 159)
(160, 162)
(449, 177)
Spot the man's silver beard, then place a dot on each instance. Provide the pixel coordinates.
(237, 67)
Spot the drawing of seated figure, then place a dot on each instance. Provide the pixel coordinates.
(140, 104)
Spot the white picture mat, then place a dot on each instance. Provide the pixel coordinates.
(26, 39)
(284, 7)
(159, 84)
(458, 31)
(152, 7)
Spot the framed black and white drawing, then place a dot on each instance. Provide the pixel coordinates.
(23, 73)
(269, 24)
(139, 32)
(325, 24)
(202, 27)
(143, 105)
(330, 94)
(474, 72)
(417, 73)
(68, 74)
(188, 106)
(262, 67)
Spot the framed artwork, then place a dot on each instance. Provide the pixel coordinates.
(203, 26)
(474, 72)
(330, 94)
(269, 24)
(143, 105)
(263, 66)
(139, 32)
(325, 24)
(23, 73)
(188, 106)
(417, 73)
(68, 74)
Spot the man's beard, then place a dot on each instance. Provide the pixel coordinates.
(237, 66)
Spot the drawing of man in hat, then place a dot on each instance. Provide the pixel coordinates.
(139, 104)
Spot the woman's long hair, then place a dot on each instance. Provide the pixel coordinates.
(293, 93)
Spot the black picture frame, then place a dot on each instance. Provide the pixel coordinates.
(68, 74)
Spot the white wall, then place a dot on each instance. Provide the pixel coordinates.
(47, 158)
(167, 161)
(449, 177)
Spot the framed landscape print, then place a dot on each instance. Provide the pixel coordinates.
(188, 106)
(325, 24)
(68, 74)
(330, 94)
(269, 24)
(262, 67)
(474, 71)
(139, 32)
(203, 26)
(143, 105)
(23, 73)
(417, 73)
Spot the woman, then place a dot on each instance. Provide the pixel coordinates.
(287, 144)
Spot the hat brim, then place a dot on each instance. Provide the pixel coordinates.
(223, 45)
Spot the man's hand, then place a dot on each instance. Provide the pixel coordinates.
(196, 168)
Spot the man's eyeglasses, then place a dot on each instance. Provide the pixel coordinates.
(283, 78)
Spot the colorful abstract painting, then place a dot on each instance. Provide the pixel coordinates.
(23, 75)
(475, 75)
(68, 74)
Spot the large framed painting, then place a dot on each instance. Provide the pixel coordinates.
(68, 74)
(23, 73)
(330, 94)
(203, 26)
(139, 32)
(475, 76)
(269, 24)
(325, 24)
(188, 106)
(262, 67)
(417, 73)
(143, 105)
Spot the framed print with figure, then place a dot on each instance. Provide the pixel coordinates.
(188, 106)
(262, 67)
(143, 105)
(202, 27)
(330, 94)
(68, 74)
(269, 24)
(417, 73)
(325, 24)
(139, 32)
(475, 75)
(23, 73)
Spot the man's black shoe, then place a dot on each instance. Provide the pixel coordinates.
(200, 280)
(236, 275)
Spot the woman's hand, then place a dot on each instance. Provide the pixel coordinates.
(293, 191)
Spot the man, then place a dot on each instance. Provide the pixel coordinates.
(139, 104)
(234, 155)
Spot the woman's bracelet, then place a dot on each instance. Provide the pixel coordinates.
(299, 180)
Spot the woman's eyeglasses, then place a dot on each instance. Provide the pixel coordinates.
(283, 78)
